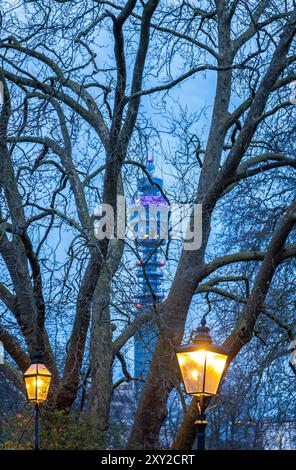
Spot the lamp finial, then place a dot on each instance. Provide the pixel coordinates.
(203, 321)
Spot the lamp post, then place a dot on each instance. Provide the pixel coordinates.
(202, 364)
(37, 380)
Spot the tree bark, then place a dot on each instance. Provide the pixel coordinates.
(101, 346)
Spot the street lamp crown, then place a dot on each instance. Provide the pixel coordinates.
(202, 333)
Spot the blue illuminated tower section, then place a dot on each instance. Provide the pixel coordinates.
(149, 270)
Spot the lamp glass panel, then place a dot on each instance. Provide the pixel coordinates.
(215, 364)
(192, 365)
(31, 387)
(43, 383)
(42, 369)
(32, 370)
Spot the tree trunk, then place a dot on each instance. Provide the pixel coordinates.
(101, 353)
(101, 346)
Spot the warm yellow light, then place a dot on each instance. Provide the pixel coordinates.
(181, 359)
(198, 356)
(194, 374)
(37, 381)
(201, 362)
(217, 362)
(215, 367)
(201, 371)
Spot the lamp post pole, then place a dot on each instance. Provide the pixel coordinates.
(37, 381)
(37, 358)
(36, 426)
(201, 425)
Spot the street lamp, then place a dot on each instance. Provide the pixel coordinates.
(202, 364)
(37, 380)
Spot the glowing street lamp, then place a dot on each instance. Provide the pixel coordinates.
(37, 380)
(202, 364)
